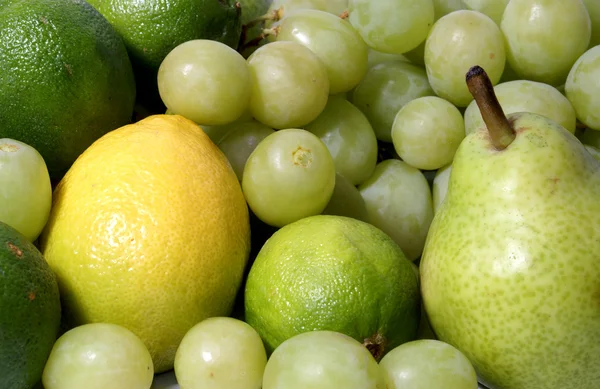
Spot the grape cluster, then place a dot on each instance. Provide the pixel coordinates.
(357, 107)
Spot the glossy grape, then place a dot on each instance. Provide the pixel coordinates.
(425, 364)
(545, 38)
(98, 356)
(349, 137)
(289, 175)
(492, 8)
(440, 186)
(527, 96)
(290, 85)
(220, 352)
(583, 88)
(393, 26)
(25, 188)
(240, 141)
(335, 7)
(322, 360)
(346, 201)
(398, 200)
(385, 89)
(427, 132)
(205, 81)
(457, 42)
(333, 40)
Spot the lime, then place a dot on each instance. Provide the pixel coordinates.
(333, 273)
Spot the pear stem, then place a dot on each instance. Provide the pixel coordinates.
(500, 130)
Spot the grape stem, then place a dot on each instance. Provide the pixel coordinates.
(274, 15)
(344, 15)
(501, 131)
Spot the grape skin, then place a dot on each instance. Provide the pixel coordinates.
(349, 138)
(290, 86)
(393, 26)
(527, 96)
(290, 175)
(456, 42)
(385, 89)
(545, 38)
(333, 40)
(583, 88)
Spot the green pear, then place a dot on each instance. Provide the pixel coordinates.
(510, 273)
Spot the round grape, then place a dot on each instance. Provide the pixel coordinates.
(394, 26)
(428, 363)
(290, 175)
(526, 96)
(322, 360)
(25, 188)
(583, 88)
(440, 186)
(240, 141)
(290, 85)
(205, 81)
(220, 352)
(376, 57)
(385, 89)
(593, 8)
(398, 200)
(333, 40)
(427, 132)
(346, 201)
(492, 8)
(349, 137)
(98, 356)
(456, 42)
(335, 7)
(545, 38)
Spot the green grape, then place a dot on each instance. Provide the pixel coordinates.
(335, 7)
(440, 186)
(25, 188)
(220, 352)
(398, 200)
(290, 175)
(594, 151)
(526, 96)
(290, 85)
(385, 89)
(239, 142)
(376, 57)
(322, 360)
(545, 38)
(205, 81)
(333, 40)
(428, 363)
(593, 7)
(583, 88)
(98, 356)
(590, 137)
(427, 132)
(349, 137)
(456, 42)
(492, 8)
(394, 26)
(441, 8)
(346, 201)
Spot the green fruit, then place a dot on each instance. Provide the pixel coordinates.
(29, 310)
(152, 28)
(510, 272)
(66, 79)
(333, 273)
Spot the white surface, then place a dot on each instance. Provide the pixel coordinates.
(168, 381)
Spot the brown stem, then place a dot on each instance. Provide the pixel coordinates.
(499, 128)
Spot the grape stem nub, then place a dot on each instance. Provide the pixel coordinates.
(480, 86)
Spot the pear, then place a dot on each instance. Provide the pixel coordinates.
(510, 273)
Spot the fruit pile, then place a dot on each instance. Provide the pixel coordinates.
(291, 194)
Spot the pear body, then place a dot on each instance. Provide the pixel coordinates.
(510, 272)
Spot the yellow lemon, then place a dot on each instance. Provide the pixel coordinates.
(149, 229)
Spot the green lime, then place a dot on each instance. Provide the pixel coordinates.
(333, 273)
